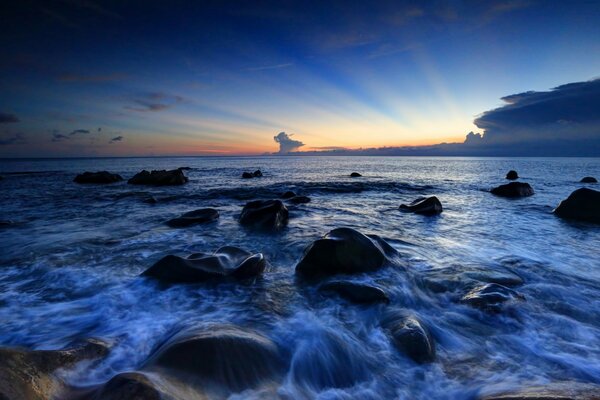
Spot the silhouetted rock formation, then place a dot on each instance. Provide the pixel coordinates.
(288, 195)
(588, 179)
(410, 336)
(97, 177)
(255, 174)
(512, 175)
(299, 200)
(424, 205)
(200, 216)
(490, 297)
(356, 292)
(513, 189)
(227, 262)
(268, 215)
(583, 204)
(355, 175)
(159, 178)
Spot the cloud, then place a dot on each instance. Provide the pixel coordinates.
(154, 101)
(116, 139)
(16, 138)
(286, 143)
(58, 137)
(6, 118)
(79, 132)
(267, 67)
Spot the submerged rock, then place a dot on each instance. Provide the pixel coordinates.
(159, 178)
(513, 189)
(28, 374)
(299, 200)
(552, 391)
(410, 336)
(588, 179)
(226, 355)
(288, 195)
(269, 215)
(491, 297)
(226, 263)
(126, 386)
(583, 204)
(458, 277)
(512, 175)
(355, 175)
(343, 251)
(200, 216)
(97, 177)
(356, 292)
(424, 205)
(255, 174)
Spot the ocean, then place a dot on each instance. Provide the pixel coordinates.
(71, 259)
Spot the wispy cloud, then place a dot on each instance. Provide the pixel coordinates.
(79, 132)
(6, 118)
(116, 139)
(16, 138)
(267, 67)
(154, 101)
(91, 78)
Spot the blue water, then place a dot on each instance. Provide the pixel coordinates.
(69, 268)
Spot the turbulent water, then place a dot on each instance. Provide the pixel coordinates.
(70, 265)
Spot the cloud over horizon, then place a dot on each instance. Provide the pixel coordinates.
(286, 143)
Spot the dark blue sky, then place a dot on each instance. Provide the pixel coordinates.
(225, 77)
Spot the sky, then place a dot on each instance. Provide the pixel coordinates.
(137, 78)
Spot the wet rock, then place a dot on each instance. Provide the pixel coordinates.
(553, 391)
(97, 177)
(588, 179)
(185, 168)
(343, 251)
(513, 189)
(491, 297)
(226, 263)
(356, 292)
(269, 215)
(226, 355)
(424, 205)
(127, 386)
(28, 374)
(255, 174)
(459, 277)
(410, 336)
(159, 178)
(247, 175)
(200, 216)
(288, 195)
(355, 175)
(299, 200)
(583, 204)
(512, 175)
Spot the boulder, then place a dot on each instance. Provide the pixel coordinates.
(257, 173)
(299, 200)
(97, 177)
(224, 264)
(355, 175)
(463, 277)
(288, 195)
(343, 251)
(28, 374)
(424, 205)
(159, 178)
(126, 386)
(200, 216)
(221, 354)
(513, 189)
(269, 215)
(552, 391)
(410, 336)
(491, 297)
(588, 179)
(512, 175)
(583, 204)
(247, 175)
(356, 292)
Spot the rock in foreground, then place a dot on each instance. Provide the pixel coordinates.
(491, 297)
(268, 215)
(424, 205)
(513, 189)
(343, 251)
(126, 386)
(553, 391)
(583, 204)
(410, 336)
(226, 263)
(159, 178)
(356, 292)
(201, 216)
(97, 177)
(512, 175)
(589, 179)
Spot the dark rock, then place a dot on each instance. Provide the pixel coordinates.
(226, 263)
(299, 200)
(460, 277)
(424, 205)
(247, 175)
(512, 175)
(201, 216)
(127, 386)
(553, 391)
(185, 168)
(513, 189)
(410, 336)
(588, 179)
(491, 297)
(28, 374)
(583, 204)
(227, 355)
(288, 195)
(97, 177)
(345, 251)
(356, 292)
(269, 215)
(355, 175)
(257, 173)
(159, 178)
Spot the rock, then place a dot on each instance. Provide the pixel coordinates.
(126, 386)
(410, 336)
(185, 168)
(150, 200)
(552, 391)
(343, 251)
(491, 297)
(200, 216)
(356, 292)
(6, 223)
(288, 195)
(247, 175)
(583, 204)
(269, 215)
(299, 200)
(512, 175)
(461, 277)
(226, 263)
(159, 178)
(588, 179)
(28, 374)
(97, 177)
(257, 173)
(221, 354)
(355, 175)
(424, 205)
(513, 189)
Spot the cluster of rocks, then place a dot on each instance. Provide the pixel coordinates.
(154, 178)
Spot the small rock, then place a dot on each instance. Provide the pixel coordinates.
(159, 178)
(288, 195)
(247, 175)
(127, 386)
(201, 216)
(97, 177)
(513, 189)
(356, 292)
(150, 200)
(299, 200)
(424, 205)
(355, 175)
(588, 179)
(512, 175)
(583, 204)
(410, 336)
(268, 215)
(257, 173)
(491, 297)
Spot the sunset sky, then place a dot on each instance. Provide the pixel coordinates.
(84, 78)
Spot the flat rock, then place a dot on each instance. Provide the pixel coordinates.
(355, 175)
(356, 292)
(159, 178)
(491, 297)
(97, 177)
(513, 189)
(553, 391)
(299, 200)
(424, 205)
(268, 215)
(200, 216)
(512, 175)
(460, 277)
(583, 204)
(410, 335)
(588, 179)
